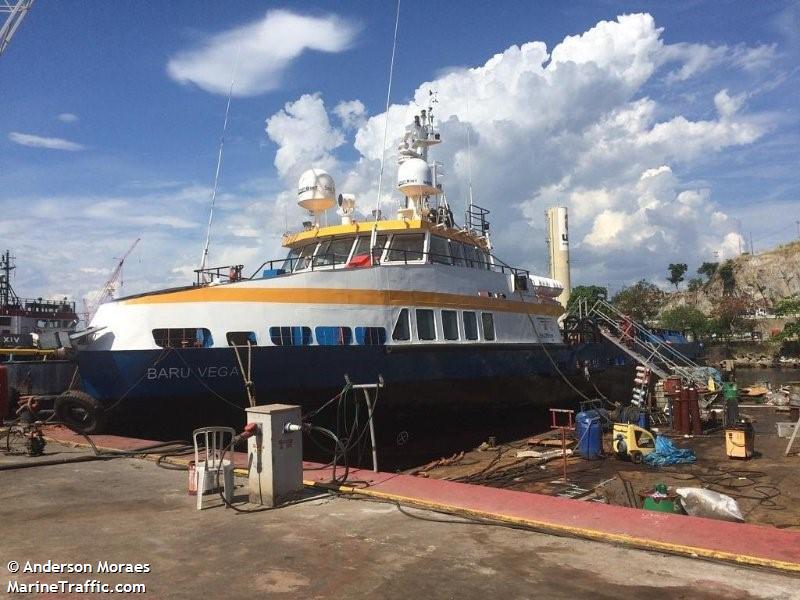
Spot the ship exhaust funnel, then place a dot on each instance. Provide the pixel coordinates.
(558, 246)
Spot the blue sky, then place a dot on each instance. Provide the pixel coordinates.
(137, 156)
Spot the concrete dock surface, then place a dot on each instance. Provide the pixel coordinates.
(132, 511)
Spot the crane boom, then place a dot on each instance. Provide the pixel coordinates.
(15, 12)
(111, 286)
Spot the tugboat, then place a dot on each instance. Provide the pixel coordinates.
(414, 300)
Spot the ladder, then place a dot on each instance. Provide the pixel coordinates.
(638, 342)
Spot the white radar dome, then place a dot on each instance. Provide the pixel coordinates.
(316, 191)
(414, 179)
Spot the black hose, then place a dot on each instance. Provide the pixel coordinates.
(100, 455)
(53, 462)
(342, 449)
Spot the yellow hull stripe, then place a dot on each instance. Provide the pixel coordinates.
(348, 296)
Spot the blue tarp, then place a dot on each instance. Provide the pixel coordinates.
(667, 454)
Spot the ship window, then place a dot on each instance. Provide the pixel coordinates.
(304, 257)
(439, 251)
(450, 324)
(487, 320)
(371, 336)
(402, 329)
(334, 252)
(426, 326)
(188, 337)
(334, 336)
(406, 247)
(457, 251)
(484, 260)
(470, 325)
(290, 336)
(362, 246)
(241, 338)
(291, 260)
(469, 256)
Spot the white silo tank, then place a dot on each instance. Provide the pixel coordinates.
(558, 242)
(316, 191)
(414, 179)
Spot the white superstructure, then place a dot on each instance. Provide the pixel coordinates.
(415, 279)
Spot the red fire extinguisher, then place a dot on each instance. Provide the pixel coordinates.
(5, 393)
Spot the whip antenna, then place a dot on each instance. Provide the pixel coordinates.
(219, 168)
(469, 152)
(386, 123)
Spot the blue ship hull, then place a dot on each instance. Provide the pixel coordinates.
(464, 392)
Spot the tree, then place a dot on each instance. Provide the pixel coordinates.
(695, 284)
(641, 301)
(684, 318)
(708, 269)
(789, 307)
(727, 277)
(730, 313)
(676, 273)
(590, 293)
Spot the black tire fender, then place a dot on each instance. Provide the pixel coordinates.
(80, 412)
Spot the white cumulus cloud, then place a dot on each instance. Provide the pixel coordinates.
(38, 141)
(304, 135)
(570, 126)
(259, 52)
(67, 117)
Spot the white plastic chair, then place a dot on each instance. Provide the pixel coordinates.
(215, 442)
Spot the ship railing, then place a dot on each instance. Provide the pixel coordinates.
(329, 261)
(42, 306)
(218, 274)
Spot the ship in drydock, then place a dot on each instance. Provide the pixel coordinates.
(415, 301)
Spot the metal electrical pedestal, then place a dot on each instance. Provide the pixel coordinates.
(275, 454)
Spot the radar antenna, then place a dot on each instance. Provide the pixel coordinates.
(15, 12)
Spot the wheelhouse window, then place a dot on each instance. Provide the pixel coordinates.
(407, 247)
(370, 336)
(487, 320)
(334, 336)
(426, 324)
(362, 249)
(303, 258)
(484, 260)
(290, 336)
(402, 329)
(470, 325)
(450, 324)
(291, 260)
(439, 250)
(186, 337)
(241, 338)
(457, 252)
(470, 257)
(333, 252)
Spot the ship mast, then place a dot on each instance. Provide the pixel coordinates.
(7, 295)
